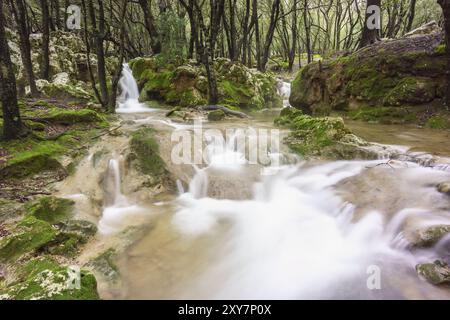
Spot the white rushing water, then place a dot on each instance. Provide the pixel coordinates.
(129, 99)
(118, 213)
(294, 239)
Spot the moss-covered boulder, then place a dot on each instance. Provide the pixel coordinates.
(185, 84)
(216, 115)
(71, 236)
(428, 237)
(29, 235)
(145, 150)
(104, 265)
(437, 273)
(405, 72)
(64, 91)
(51, 209)
(44, 279)
(325, 137)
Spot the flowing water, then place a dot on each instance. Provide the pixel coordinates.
(302, 230)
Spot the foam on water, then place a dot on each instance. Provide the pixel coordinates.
(129, 99)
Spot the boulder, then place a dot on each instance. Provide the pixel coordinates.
(437, 273)
(404, 72)
(216, 115)
(186, 85)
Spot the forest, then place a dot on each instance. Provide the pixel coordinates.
(224, 149)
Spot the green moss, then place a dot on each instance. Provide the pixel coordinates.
(29, 156)
(51, 209)
(72, 234)
(387, 115)
(29, 235)
(68, 117)
(440, 49)
(146, 149)
(438, 122)
(238, 95)
(413, 90)
(216, 115)
(311, 135)
(44, 279)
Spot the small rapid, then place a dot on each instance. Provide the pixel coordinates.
(289, 229)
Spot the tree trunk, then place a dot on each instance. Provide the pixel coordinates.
(307, 31)
(255, 19)
(445, 4)
(12, 123)
(370, 36)
(274, 15)
(45, 65)
(411, 16)
(20, 15)
(294, 37)
(155, 43)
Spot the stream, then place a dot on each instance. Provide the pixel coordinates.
(237, 230)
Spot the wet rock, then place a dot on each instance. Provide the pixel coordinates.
(216, 115)
(428, 237)
(104, 264)
(146, 151)
(444, 188)
(437, 273)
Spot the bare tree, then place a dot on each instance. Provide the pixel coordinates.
(12, 124)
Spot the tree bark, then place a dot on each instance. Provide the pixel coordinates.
(12, 124)
(45, 64)
(370, 36)
(155, 43)
(445, 4)
(20, 16)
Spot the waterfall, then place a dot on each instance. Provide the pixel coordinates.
(118, 213)
(129, 99)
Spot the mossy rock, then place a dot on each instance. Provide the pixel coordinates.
(414, 90)
(216, 115)
(322, 137)
(104, 264)
(406, 71)
(30, 157)
(51, 209)
(430, 236)
(44, 279)
(69, 117)
(438, 121)
(144, 145)
(386, 115)
(72, 234)
(29, 235)
(64, 91)
(437, 273)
